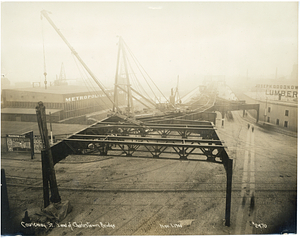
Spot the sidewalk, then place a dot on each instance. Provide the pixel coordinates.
(270, 127)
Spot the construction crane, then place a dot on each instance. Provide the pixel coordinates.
(128, 67)
(119, 85)
(45, 14)
(122, 82)
(61, 80)
(62, 75)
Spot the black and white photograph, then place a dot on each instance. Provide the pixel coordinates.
(149, 118)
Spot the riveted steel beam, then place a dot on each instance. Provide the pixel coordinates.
(145, 141)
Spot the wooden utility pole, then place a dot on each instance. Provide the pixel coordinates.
(48, 166)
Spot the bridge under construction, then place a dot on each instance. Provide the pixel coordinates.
(180, 138)
(174, 131)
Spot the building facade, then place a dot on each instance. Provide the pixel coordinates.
(280, 108)
(62, 101)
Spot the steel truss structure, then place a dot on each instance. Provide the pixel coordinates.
(223, 106)
(180, 117)
(178, 140)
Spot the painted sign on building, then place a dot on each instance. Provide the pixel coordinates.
(89, 96)
(85, 97)
(283, 90)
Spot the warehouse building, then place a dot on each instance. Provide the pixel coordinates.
(62, 102)
(278, 104)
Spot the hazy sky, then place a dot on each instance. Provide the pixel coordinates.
(169, 39)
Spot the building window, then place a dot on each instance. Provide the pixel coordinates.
(286, 113)
(268, 120)
(277, 121)
(269, 109)
(285, 123)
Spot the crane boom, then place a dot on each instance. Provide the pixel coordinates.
(45, 14)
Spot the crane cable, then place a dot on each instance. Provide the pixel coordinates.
(156, 98)
(44, 54)
(138, 63)
(139, 68)
(137, 82)
(89, 84)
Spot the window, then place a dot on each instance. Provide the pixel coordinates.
(277, 121)
(268, 120)
(269, 109)
(285, 123)
(286, 113)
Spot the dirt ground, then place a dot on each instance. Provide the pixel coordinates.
(136, 196)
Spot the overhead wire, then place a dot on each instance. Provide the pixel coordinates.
(85, 80)
(139, 87)
(100, 84)
(139, 64)
(139, 68)
(44, 54)
(87, 83)
(156, 98)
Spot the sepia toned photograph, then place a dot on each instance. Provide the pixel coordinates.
(149, 118)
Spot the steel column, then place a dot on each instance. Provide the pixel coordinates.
(45, 179)
(228, 167)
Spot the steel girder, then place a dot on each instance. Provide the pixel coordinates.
(204, 131)
(199, 142)
(205, 150)
(223, 106)
(191, 116)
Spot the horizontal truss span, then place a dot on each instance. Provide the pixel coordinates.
(187, 127)
(199, 124)
(118, 138)
(137, 145)
(102, 137)
(205, 132)
(146, 142)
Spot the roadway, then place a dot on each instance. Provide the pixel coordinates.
(162, 197)
(265, 168)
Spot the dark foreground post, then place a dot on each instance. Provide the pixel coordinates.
(228, 167)
(42, 123)
(5, 214)
(31, 144)
(45, 179)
